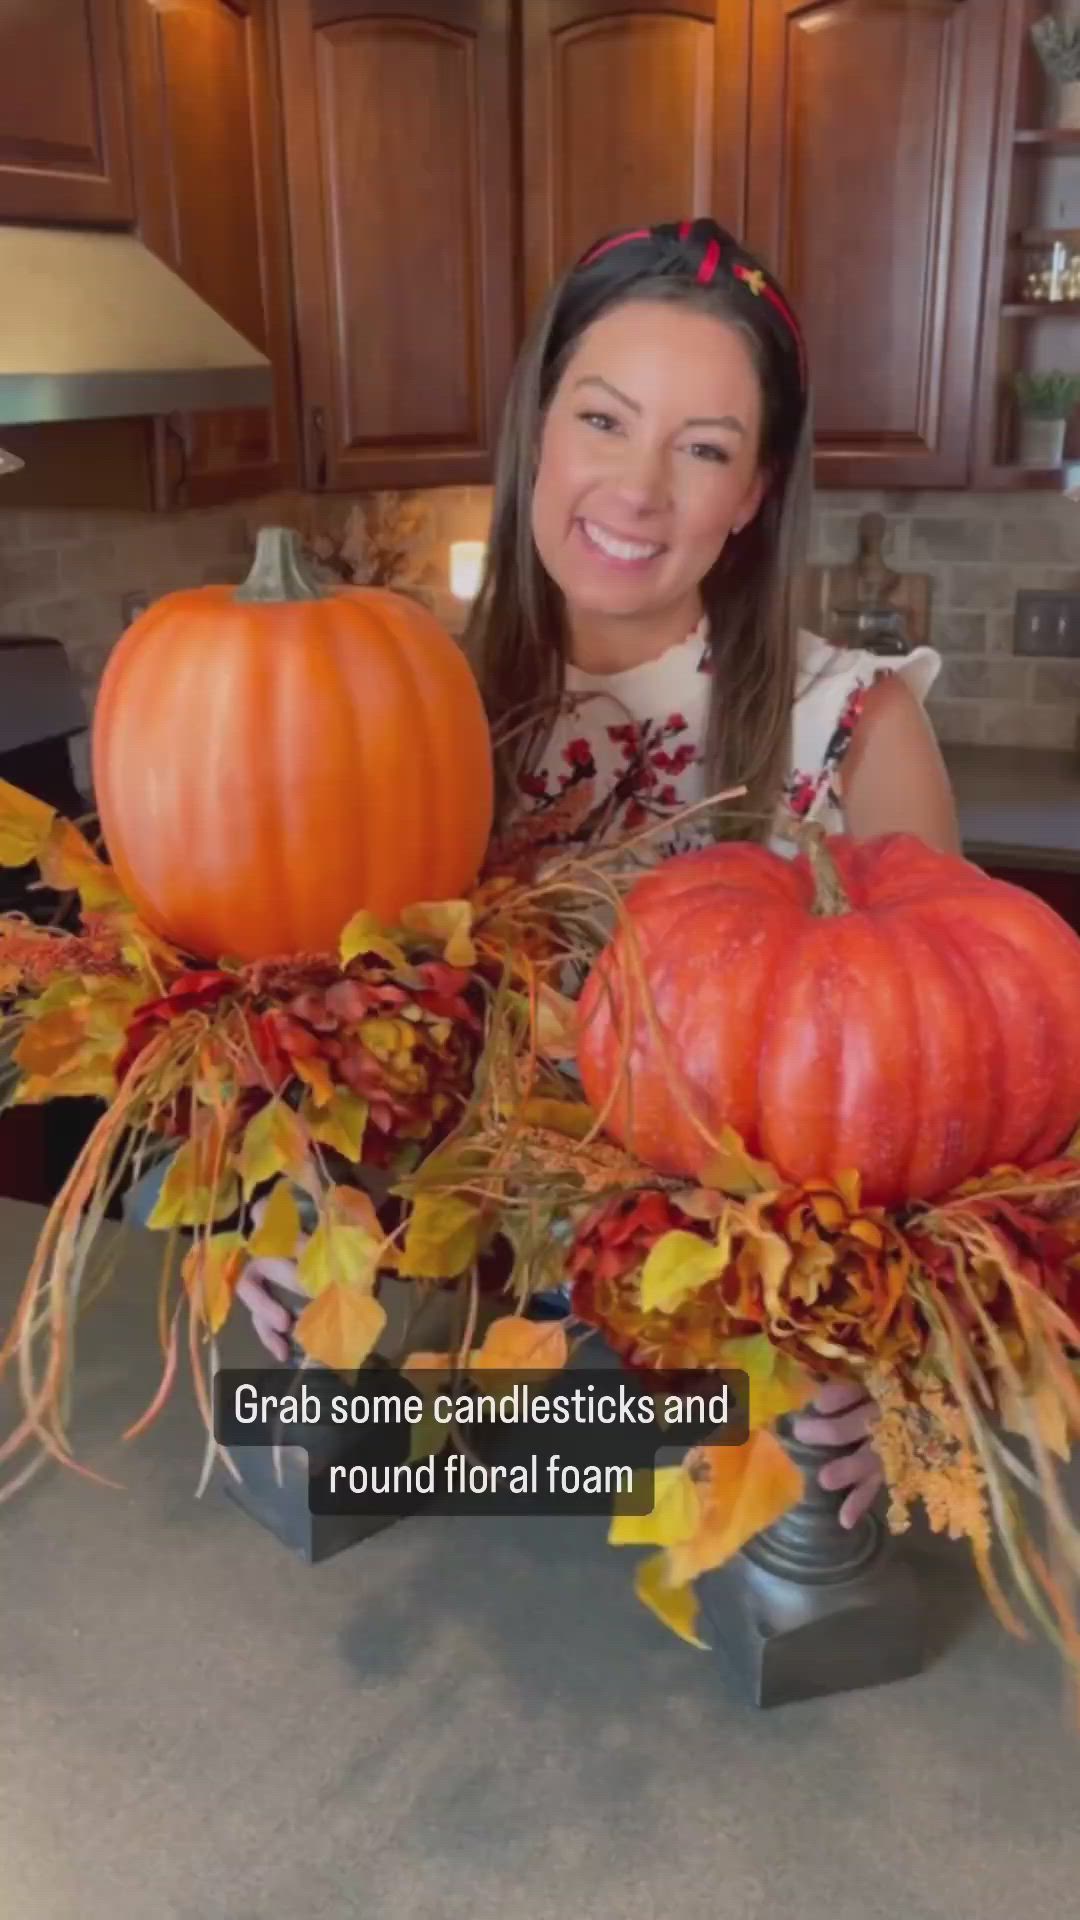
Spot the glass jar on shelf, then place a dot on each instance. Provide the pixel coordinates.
(1050, 274)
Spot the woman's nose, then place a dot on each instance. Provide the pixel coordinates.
(643, 482)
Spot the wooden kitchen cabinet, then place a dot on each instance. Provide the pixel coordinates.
(63, 134)
(400, 165)
(205, 121)
(870, 172)
(634, 111)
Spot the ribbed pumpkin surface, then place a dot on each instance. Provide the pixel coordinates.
(262, 771)
(927, 1034)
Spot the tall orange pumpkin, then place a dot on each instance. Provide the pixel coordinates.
(896, 1011)
(271, 758)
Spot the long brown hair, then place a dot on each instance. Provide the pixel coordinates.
(516, 635)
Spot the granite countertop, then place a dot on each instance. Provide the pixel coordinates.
(1016, 806)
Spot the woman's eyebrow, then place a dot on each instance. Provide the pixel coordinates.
(729, 420)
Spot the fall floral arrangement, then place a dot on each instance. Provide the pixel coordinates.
(811, 1118)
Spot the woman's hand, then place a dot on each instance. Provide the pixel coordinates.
(272, 1321)
(842, 1415)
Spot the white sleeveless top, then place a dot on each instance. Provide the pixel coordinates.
(626, 748)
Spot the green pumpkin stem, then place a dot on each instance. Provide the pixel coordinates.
(279, 574)
(830, 899)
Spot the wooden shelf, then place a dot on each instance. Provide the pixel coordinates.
(1049, 139)
(1041, 310)
(1028, 479)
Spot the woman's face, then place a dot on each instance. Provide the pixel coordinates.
(648, 459)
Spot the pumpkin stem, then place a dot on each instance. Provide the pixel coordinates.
(279, 573)
(829, 896)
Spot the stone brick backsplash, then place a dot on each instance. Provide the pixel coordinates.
(73, 575)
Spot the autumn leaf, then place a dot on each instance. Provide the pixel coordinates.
(514, 1345)
(340, 1327)
(338, 1255)
(365, 934)
(1042, 1409)
(556, 1025)
(274, 1142)
(443, 1238)
(742, 1490)
(678, 1266)
(736, 1172)
(186, 1200)
(340, 1123)
(571, 1118)
(449, 921)
(429, 1436)
(675, 1606)
(210, 1273)
(51, 1043)
(674, 1517)
(25, 826)
(777, 1384)
(87, 1075)
(423, 1364)
(316, 1076)
(68, 862)
(279, 1229)
(355, 1209)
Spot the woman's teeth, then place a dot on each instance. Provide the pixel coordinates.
(620, 549)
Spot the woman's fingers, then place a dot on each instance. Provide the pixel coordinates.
(836, 1396)
(273, 1323)
(838, 1429)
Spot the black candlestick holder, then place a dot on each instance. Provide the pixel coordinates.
(810, 1607)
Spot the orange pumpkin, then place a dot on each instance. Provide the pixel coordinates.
(895, 1011)
(271, 758)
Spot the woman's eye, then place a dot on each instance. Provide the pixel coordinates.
(603, 421)
(705, 450)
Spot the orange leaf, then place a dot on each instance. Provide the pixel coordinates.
(340, 1327)
(422, 1362)
(315, 1074)
(356, 1209)
(675, 1605)
(211, 1271)
(742, 1490)
(515, 1345)
(278, 1231)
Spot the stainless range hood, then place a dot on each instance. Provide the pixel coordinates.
(93, 326)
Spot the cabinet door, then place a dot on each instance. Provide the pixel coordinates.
(635, 111)
(210, 188)
(870, 169)
(397, 117)
(63, 140)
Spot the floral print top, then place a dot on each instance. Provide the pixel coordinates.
(626, 749)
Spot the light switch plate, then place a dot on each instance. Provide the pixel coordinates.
(1047, 626)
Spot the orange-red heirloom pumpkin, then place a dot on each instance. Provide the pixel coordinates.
(917, 1021)
(270, 759)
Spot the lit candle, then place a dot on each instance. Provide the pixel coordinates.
(466, 568)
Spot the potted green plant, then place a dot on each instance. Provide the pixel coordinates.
(1045, 401)
(1057, 43)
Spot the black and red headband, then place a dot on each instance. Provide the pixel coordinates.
(704, 252)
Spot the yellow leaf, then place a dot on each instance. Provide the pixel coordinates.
(556, 1025)
(68, 862)
(1041, 1409)
(274, 1142)
(51, 1043)
(446, 920)
(569, 1117)
(679, 1265)
(676, 1606)
(316, 1075)
(210, 1271)
(513, 1345)
(742, 1490)
(422, 1362)
(279, 1231)
(340, 1123)
(364, 934)
(777, 1384)
(89, 1075)
(25, 826)
(340, 1328)
(674, 1517)
(443, 1238)
(185, 1199)
(849, 1184)
(338, 1255)
(736, 1172)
